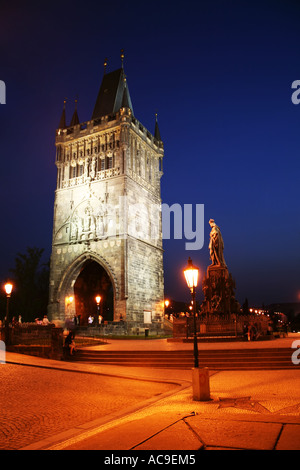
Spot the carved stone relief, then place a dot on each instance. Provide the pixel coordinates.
(88, 221)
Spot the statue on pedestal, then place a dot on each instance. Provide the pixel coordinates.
(218, 285)
(216, 245)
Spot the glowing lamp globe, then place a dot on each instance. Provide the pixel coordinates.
(8, 288)
(191, 274)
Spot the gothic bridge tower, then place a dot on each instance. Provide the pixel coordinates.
(107, 232)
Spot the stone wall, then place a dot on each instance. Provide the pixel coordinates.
(184, 326)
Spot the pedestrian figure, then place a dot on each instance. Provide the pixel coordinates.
(70, 343)
(249, 332)
(45, 320)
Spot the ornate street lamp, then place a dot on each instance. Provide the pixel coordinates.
(8, 290)
(201, 389)
(191, 274)
(98, 300)
(69, 300)
(166, 305)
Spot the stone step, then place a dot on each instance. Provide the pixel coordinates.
(212, 366)
(230, 359)
(221, 352)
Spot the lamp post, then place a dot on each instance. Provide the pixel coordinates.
(167, 303)
(191, 274)
(98, 300)
(69, 300)
(8, 290)
(201, 389)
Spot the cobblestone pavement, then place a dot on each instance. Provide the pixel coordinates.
(37, 403)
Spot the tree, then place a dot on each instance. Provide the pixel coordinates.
(31, 279)
(245, 307)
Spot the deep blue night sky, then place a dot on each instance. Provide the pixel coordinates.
(218, 73)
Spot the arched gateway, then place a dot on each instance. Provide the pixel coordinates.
(86, 278)
(107, 233)
(93, 294)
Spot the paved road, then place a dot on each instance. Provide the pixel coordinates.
(37, 403)
(46, 403)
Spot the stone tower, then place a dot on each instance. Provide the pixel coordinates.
(107, 231)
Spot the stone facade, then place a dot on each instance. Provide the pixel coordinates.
(107, 210)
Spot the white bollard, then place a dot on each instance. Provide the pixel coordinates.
(201, 388)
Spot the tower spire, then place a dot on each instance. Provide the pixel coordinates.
(105, 65)
(75, 118)
(156, 130)
(122, 57)
(62, 122)
(125, 98)
(113, 94)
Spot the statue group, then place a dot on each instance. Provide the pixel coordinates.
(218, 285)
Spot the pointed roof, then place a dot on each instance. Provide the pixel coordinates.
(62, 122)
(156, 130)
(113, 94)
(75, 118)
(126, 98)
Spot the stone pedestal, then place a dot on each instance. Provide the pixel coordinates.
(201, 388)
(219, 291)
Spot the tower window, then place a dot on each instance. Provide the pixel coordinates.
(73, 172)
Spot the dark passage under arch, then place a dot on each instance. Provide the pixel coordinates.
(93, 280)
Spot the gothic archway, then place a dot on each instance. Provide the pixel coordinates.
(93, 280)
